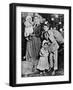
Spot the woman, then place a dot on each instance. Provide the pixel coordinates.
(34, 43)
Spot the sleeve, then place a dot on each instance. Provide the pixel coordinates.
(26, 23)
(41, 52)
(51, 36)
(37, 31)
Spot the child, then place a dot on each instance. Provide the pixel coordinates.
(28, 26)
(43, 63)
(53, 49)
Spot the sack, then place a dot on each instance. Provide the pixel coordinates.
(53, 47)
(58, 36)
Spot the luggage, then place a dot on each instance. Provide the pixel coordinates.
(53, 47)
(59, 38)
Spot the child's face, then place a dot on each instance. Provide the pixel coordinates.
(45, 46)
(46, 28)
(29, 19)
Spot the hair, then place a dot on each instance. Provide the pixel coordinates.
(46, 43)
(40, 18)
(28, 17)
(46, 25)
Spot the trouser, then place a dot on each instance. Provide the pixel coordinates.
(54, 60)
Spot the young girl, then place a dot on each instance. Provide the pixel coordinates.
(43, 63)
(28, 26)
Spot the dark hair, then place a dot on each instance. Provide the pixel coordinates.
(48, 25)
(45, 43)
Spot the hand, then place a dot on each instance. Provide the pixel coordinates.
(27, 38)
(24, 57)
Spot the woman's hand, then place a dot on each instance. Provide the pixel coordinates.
(31, 34)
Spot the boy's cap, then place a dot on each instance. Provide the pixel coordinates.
(46, 24)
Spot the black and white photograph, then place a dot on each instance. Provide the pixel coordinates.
(40, 44)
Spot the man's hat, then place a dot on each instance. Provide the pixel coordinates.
(46, 24)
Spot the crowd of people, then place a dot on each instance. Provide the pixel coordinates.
(42, 45)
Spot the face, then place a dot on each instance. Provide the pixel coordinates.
(46, 28)
(46, 35)
(45, 46)
(29, 19)
(36, 20)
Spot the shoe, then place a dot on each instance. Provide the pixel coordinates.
(41, 73)
(53, 73)
(49, 69)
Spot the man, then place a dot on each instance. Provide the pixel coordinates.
(53, 49)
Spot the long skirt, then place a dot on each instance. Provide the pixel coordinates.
(43, 63)
(33, 49)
